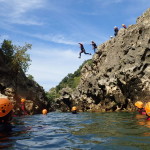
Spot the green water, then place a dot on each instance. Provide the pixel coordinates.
(82, 131)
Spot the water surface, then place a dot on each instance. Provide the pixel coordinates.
(82, 131)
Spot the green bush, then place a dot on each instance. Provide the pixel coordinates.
(71, 81)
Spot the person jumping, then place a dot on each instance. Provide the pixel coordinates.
(94, 45)
(82, 50)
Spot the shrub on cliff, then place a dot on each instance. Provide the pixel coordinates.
(71, 81)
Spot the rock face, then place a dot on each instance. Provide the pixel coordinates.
(17, 87)
(120, 72)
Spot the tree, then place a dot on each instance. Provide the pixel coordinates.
(7, 49)
(52, 94)
(20, 58)
(16, 56)
(30, 77)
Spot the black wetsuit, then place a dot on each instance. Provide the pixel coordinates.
(82, 50)
(94, 46)
(116, 31)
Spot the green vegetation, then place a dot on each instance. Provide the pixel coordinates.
(16, 56)
(52, 94)
(30, 77)
(20, 58)
(71, 81)
(90, 62)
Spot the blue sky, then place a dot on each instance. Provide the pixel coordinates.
(54, 28)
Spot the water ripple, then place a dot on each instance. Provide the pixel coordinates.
(83, 131)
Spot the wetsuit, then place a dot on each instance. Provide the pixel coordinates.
(148, 118)
(23, 108)
(116, 31)
(6, 119)
(142, 111)
(94, 46)
(82, 50)
(74, 112)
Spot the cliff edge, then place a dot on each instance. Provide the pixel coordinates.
(119, 73)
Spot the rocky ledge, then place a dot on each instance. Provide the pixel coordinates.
(119, 73)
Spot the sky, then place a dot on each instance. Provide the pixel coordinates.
(55, 27)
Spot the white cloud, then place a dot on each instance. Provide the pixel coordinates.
(19, 12)
(53, 38)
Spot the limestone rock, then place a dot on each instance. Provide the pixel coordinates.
(120, 72)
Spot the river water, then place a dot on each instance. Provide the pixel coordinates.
(82, 131)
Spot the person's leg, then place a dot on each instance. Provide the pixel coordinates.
(80, 54)
(94, 49)
(87, 53)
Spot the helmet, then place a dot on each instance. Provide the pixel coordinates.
(123, 24)
(139, 104)
(147, 108)
(74, 108)
(23, 100)
(5, 106)
(115, 27)
(44, 111)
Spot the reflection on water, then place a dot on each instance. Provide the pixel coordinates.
(11, 133)
(83, 131)
(5, 141)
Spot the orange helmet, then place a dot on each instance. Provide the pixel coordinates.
(139, 104)
(23, 100)
(44, 111)
(74, 108)
(5, 106)
(147, 108)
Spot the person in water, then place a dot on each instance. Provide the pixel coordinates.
(116, 31)
(140, 107)
(94, 45)
(82, 50)
(5, 111)
(147, 109)
(74, 110)
(44, 111)
(22, 104)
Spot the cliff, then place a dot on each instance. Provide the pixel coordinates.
(17, 87)
(119, 73)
